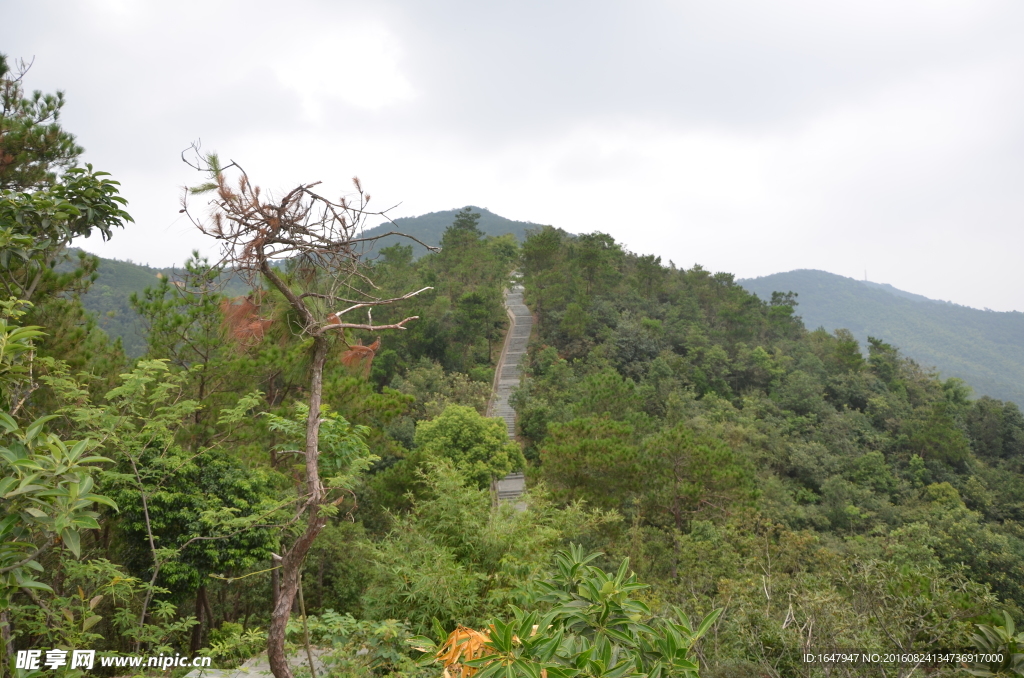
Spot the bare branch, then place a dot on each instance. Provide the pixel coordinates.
(355, 326)
(374, 238)
(328, 297)
(379, 303)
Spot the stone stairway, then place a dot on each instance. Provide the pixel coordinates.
(506, 378)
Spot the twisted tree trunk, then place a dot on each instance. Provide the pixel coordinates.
(291, 563)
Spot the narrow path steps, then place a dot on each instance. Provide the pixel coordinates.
(507, 376)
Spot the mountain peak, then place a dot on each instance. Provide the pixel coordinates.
(428, 228)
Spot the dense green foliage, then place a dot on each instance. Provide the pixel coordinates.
(763, 467)
(46, 200)
(593, 624)
(35, 147)
(478, 447)
(984, 348)
(108, 298)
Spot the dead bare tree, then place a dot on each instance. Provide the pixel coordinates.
(325, 241)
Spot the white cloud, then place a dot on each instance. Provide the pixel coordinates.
(358, 65)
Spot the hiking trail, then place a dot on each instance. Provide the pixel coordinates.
(506, 378)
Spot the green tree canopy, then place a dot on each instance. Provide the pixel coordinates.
(33, 145)
(478, 446)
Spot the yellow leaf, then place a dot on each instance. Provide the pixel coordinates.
(463, 644)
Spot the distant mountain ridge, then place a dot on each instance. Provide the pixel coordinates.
(886, 287)
(108, 298)
(984, 348)
(429, 228)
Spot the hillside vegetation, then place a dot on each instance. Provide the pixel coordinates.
(984, 348)
(765, 468)
(109, 296)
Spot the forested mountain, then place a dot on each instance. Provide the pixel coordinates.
(984, 348)
(429, 229)
(109, 295)
(762, 467)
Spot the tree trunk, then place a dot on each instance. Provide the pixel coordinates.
(320, 585)
(275, 584)
(197, 630)
(206, 606)
(305, 631)
(291, 564)
(8, 641)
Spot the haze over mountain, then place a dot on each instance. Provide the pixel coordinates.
(984, 348)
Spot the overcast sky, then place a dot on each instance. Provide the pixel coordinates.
(748, 136)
